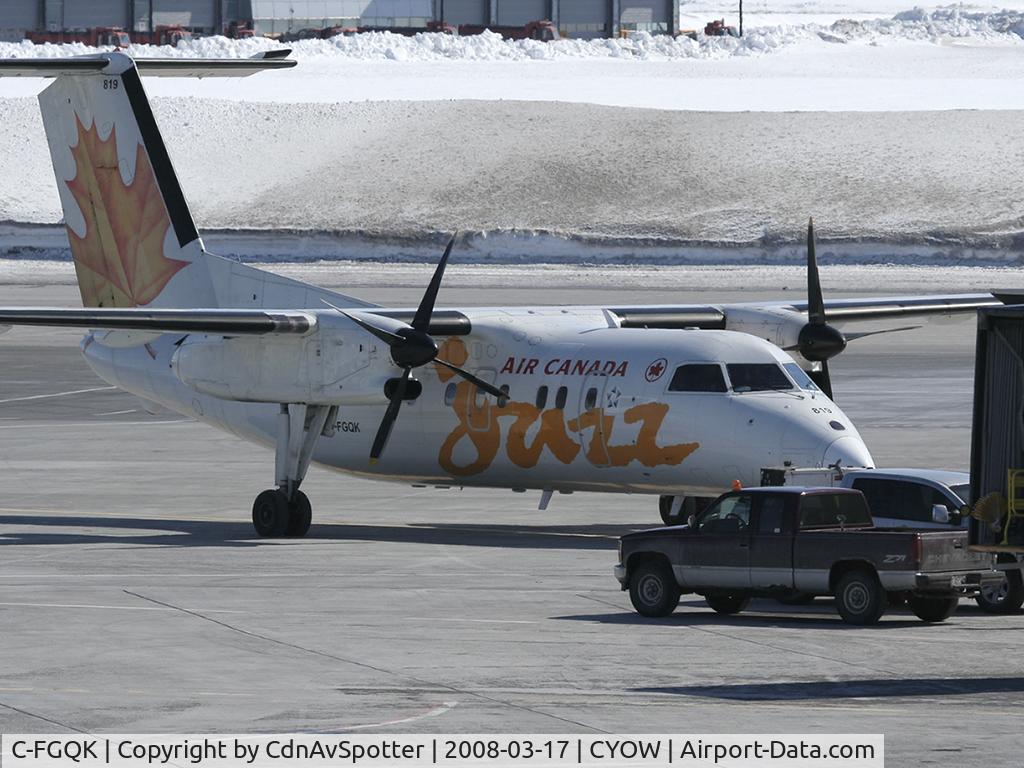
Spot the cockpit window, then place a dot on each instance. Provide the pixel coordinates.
(801, 378)
(757, 377)
(698, 377)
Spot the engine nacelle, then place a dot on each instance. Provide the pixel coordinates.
(779, 326)
(333, 365)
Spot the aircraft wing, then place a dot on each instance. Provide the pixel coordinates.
(848, 310)
(219, 321)
(840, 311)
(230, 322)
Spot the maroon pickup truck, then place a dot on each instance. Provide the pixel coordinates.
(817, 541)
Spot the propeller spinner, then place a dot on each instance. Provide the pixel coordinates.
(412, 347)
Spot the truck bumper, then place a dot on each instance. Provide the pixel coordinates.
(621, 576)
(958, 583)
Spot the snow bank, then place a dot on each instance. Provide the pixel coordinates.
(935, 26)
(392, 170)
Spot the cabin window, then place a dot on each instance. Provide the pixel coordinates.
(591, 399)
(503, 401)
(449, 394)
(698, 377)
(542, 398)
(757, 377)
(799, 375)
(560, 397)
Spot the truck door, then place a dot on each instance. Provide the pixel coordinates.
(771, 544)
(718, 554)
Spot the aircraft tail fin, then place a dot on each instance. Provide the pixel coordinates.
(133, 238)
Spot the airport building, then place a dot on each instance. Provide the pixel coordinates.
(574, 18)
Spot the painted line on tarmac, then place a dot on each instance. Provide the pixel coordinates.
(439, 710)
(117, 413)
(91, 424)
(107, 607)
(472, 621)
(56, 394)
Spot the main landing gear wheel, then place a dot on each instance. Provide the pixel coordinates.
(273, 516)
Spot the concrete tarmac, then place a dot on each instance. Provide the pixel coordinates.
(135, 597)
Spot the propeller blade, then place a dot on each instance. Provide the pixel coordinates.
(822, 379)
(865, 334)
(421, 321)
(815, 299)
(390, 415)
(475, 380)
(389, 338)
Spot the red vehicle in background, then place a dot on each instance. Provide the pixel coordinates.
(543, 30)
(95, 36)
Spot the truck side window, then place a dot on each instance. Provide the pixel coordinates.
(698, 377)
(899, 499)
(772, 518)
(730, 515)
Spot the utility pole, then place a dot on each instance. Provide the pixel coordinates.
(741, 18)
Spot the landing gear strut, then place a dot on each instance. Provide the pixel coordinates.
(285, 510)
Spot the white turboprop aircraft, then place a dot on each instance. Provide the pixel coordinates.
(667, 400)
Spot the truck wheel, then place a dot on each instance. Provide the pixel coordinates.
(653, 589)
(727, 604)
(933, 608)
(860, 598)
(1007, 597)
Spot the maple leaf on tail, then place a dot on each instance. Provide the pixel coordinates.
(120, 261)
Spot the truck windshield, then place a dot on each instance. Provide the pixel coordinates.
(963, 492)
(833, 510)
(757, 377)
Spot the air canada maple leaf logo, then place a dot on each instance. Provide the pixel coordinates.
(120, 259)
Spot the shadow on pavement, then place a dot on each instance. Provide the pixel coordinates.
(206, 533)
(848, 689)
(826, 619)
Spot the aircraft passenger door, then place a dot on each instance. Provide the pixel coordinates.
(595, 419)
(481, 403)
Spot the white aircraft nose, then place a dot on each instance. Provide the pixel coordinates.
(849, 451)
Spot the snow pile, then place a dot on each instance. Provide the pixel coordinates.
(936, 26)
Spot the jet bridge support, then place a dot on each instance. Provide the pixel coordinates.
(285, 510)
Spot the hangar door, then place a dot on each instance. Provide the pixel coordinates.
(515, 13)
(585, 18)
(194, 14)
(19, 14)
(457, 12)
(83, 14)
(653, 16)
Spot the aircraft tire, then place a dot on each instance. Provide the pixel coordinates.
(932, 609)
(270, 514)
(860, 598)
(653, 589)
(300, 515)
(665, 508)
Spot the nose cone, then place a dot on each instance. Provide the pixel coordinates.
(849, 451)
